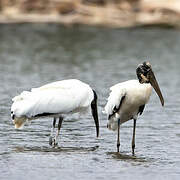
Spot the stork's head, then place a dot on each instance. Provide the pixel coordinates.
(146, 75)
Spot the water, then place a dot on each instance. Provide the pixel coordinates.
(32, 55)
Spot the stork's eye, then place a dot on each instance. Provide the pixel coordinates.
(146, 69)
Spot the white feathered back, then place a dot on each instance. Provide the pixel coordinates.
(59, 97)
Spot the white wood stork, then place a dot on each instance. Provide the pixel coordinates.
(127, 100)
(54, 100)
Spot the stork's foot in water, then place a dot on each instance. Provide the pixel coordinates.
(52, 141)
(118, 145)
(133, 147)
(118, 138)
(133, 139)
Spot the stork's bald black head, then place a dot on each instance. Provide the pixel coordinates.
(146, 75)
(143, 70)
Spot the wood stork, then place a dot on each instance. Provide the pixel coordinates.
(55, 100)
(127, 100)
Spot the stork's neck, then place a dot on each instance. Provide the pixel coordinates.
(142, 81)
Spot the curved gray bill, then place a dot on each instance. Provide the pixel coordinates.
(155, 85)
(95, 113)
(95, 116)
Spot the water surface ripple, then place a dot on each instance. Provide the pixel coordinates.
(32, 55)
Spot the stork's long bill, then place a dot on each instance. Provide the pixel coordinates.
(95, 113)
(147, 75)
(155, 85)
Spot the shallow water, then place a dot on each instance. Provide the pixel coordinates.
(32, 55)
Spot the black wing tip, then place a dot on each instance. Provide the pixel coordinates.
(141, 109)
(116, 109)
(43, 115)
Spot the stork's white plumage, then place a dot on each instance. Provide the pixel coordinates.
(127, 100)
(54, 99)
(135, 95)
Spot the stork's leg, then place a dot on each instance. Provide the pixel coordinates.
(133, 139)
(118, 137)
(51, 139)
(58, 131)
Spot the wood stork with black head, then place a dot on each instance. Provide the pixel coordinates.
(127, 99)
(55, 100)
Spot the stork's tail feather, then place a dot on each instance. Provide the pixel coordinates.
(112, 127)
(112, 123)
